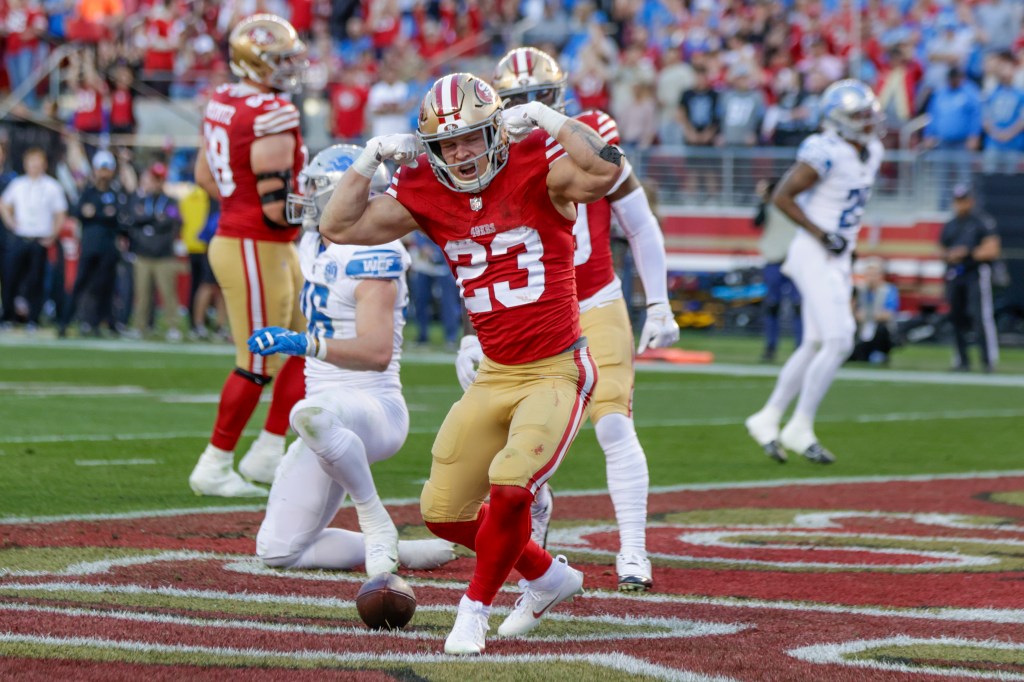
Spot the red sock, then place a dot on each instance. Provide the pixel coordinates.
(289, 388)
(238, 400)
(500, 536)
(532, 564)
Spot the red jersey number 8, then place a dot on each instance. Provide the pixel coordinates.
(481, 300)
(218, 155)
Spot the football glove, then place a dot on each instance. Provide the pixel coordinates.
(468, 360)
(270, 340)
(660, 329)
(833, 242)
(402, 148)
(520, 120)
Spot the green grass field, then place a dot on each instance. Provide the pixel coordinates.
(114, 426)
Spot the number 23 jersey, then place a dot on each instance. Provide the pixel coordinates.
(509, 248)
(236, 116)
(332, 274)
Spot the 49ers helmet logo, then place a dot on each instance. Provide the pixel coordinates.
(261, 37)
(484, 92)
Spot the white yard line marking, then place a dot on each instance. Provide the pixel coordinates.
(114, 462)
(249, 566)
(941, 415)
(836, 654)
(619, 662)
(739, 485)
(633, 628)
(35, 389)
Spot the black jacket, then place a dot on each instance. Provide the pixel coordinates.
(155, 224)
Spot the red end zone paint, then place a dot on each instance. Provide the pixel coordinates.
(796, 605)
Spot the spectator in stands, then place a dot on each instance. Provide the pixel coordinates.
(90, 90)
(638, 124)
(1002, 117)
(947, 50)
(897, 83)
(821, 61)
(740, 109)
(33, 208)
(633, 69)
(1000, 23)
(596, 60)
(970, 245)
(22, 25)
(955, 111)
(877, 303)
(349, 98)
(100, 211)
(794, 115)
(95, 20)
(674, 78)
(122, 102)
(155, 228)
(161, 44)
(387, 102)
(698, 117)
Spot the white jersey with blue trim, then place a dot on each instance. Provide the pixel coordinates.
(836, 202)
(328, 300)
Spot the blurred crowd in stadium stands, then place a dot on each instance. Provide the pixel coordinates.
(746, 71)
(673, 72)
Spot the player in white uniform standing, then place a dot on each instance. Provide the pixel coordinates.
(824, 193)
(354, 413)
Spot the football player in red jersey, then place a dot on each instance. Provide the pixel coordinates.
(253, 154)
(528, 74)
(503, 215)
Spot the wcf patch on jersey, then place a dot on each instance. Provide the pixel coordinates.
(375, 265)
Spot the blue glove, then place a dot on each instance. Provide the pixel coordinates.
(270, 340)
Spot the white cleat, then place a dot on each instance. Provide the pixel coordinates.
(540, 515)
(217, 479)
(800, 439)
(470, 629)
(765, 432)
(264, 456)
(634, 569)
(425, 554)
(535, 602)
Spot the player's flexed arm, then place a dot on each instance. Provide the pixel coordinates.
(351, 216)
(591, 167)
(800, 178)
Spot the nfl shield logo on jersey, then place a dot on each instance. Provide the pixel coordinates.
(476, 203)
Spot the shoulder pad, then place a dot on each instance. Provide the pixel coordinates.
(603, 123)
(275, 117)
(815, 152)
(375, 264)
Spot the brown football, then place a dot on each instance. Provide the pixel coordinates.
(386, 602)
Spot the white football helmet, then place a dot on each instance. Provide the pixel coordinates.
(851, 110)
(319, 179)
(459, 104)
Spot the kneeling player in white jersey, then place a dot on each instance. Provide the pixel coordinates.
(527, 74)
(824, 193)
(354, 413)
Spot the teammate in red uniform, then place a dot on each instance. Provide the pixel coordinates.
(526, 74)
(253, 154)
(503, 215)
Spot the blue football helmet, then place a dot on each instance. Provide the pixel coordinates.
(320, 178)
(851, 110)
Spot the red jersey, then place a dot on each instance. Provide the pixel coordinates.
(23, 27)
(122, 111)
(593, 228)
(236, 116)
(509, 249)
(348, 103)
(88, 117)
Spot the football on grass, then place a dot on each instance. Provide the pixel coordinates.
(386, 602)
